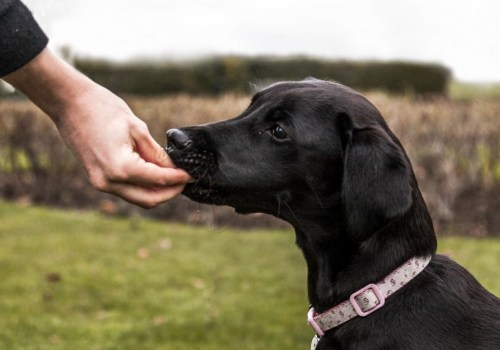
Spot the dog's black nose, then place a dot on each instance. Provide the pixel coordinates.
(179, 139)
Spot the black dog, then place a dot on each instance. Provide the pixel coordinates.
(320, 156)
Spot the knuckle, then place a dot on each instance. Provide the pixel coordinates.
(99, 182)
(117, 174)
(102, 178)
(141, 127)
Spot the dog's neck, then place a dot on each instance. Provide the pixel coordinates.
(337, 266)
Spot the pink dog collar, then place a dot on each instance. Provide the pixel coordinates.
(368, 299)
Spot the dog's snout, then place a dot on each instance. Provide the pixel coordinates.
(178, 139)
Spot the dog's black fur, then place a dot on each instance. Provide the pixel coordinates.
(320, 156)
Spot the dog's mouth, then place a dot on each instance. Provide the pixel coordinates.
(200, 164)
(199, 192)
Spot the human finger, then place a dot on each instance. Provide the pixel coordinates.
(146, 197)
(143, 173)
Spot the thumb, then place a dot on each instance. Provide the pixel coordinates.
(151, 151)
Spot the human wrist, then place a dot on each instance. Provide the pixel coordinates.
(51, 84)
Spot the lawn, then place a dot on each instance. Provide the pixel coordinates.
(78, 280)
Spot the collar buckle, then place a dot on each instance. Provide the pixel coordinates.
(367, 300)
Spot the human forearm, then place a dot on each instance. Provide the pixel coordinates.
(50, 83)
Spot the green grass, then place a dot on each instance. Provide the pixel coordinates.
(71, 280)
(461, 90)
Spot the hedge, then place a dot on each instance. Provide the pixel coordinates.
(216, 75)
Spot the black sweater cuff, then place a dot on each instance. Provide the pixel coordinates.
(21, 38)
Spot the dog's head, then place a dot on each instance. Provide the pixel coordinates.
(301, 149)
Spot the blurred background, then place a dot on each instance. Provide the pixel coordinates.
(431, 67)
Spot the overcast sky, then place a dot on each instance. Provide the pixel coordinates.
(463, 35)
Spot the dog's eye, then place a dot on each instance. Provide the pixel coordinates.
(278, 132)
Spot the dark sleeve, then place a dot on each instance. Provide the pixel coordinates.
(21, 39)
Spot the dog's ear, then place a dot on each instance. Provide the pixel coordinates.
(376, 182)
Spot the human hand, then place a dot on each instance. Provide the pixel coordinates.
(114, 146)
(117, 150)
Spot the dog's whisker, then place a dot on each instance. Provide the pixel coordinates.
(296, 219)
(210, 181)
(224, 173)
(315, 193)
(199, 178)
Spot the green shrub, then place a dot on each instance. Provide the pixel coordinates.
(217, 75)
